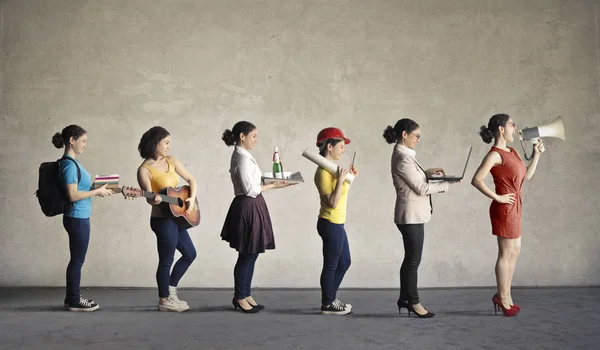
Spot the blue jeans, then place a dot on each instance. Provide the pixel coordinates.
(336, 258)
(79, 239)
(242, 274)
(169, 237)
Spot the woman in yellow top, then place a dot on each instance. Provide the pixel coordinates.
(157, 172)
(333, 192)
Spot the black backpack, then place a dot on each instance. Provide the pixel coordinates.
(51, 192)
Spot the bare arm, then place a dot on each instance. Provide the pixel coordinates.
(537, 151)
(143, 177)
(333, 199)
(491, 159)
(532, 166)
(75, 195)
(279, 184)
(182, 171)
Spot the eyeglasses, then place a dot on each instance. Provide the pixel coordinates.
(512, 123)
(417, 135)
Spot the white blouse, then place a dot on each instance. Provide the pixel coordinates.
(411, 152)
(245, 173)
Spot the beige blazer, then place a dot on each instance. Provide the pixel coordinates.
(412, 189)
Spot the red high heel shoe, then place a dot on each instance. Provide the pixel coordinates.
(500, 302)
(512, 311)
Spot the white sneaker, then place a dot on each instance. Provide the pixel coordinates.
(173, 295)
(171, 304)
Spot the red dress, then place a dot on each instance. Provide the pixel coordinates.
(508, 178)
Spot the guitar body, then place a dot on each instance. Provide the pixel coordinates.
(177, 211)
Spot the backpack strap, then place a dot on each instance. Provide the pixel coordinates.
(77, 165)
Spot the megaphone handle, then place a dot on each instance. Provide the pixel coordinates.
(525, 152)
(532, 149)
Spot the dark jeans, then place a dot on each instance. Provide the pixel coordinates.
(336, 258)
(169, 237)
(79, 239)
(242, 274)
(412, 235)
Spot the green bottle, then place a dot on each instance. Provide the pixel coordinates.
(277, 167)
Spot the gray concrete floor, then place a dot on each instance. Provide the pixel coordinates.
(561, 318)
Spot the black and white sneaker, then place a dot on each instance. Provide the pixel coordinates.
(84, 305)
(335, 308)
(66, 304)
(347, 306)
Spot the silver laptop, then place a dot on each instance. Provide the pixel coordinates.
(451, 178)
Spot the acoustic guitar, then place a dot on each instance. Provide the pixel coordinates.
(173, 203)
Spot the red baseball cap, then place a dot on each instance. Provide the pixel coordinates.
(331, 133)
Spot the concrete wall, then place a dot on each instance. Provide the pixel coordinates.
(293, 67)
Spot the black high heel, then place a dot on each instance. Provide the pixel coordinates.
(258, 306)
(237, 305)
(402, 304)
(410, 309)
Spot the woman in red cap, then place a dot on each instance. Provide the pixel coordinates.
(509, 172)
(413, 207)
(333, 192)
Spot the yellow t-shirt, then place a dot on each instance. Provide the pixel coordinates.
(326, 183)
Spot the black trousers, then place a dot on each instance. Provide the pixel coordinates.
(412, 236)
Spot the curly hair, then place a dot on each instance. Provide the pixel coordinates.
(150, 140)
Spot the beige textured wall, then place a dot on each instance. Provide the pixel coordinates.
(293, 67)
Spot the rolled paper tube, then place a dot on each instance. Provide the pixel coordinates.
(328, 165)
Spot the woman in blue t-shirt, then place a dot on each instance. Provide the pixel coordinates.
(76, 219)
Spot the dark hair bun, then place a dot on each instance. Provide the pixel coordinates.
(228, 137)
(390, 135)
(57, 140)
(486, 134)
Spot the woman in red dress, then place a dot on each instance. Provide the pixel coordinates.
(508, 172)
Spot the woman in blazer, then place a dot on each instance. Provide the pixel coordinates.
(413, 207)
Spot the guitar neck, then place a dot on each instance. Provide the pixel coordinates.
(164, 197)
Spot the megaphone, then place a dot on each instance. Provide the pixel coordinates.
(554, 129)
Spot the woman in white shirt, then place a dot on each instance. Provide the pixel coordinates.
(247, 227)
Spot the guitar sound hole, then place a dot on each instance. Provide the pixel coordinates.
(180, 202)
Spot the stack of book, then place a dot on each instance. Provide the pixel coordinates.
(112, 181)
